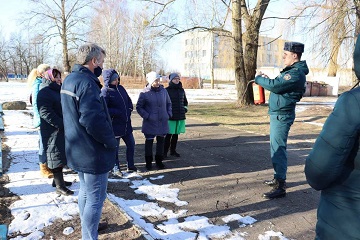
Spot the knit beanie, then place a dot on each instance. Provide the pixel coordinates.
(173, 75)
(114, 76)
(151, 77)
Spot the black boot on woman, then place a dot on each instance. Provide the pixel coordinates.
(60, 183)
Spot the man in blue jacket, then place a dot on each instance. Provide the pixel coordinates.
(285, 91)
(90, 143)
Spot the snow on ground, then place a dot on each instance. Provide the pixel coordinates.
(40, 206)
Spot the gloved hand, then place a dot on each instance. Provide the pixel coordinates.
(186, 109)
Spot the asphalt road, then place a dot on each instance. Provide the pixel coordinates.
(221, 172)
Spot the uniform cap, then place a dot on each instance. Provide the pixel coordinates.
(294, 47)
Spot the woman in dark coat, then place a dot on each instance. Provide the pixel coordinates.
(179, 108)
(333, 166)
(52, 128)
(154, 106)
(120, 107)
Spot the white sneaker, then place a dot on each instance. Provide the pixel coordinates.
(117, 172)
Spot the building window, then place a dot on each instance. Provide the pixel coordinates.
(203, 53)
(186, 41)
(268, 59)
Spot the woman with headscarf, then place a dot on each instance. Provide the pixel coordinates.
(52, 128)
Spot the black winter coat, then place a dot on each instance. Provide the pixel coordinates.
(51, 124)
(178, 100)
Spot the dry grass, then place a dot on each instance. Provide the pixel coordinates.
(253, 118)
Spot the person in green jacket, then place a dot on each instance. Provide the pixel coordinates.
(285, 91)
(333, 166)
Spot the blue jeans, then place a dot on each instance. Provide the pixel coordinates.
(279, 131)
(130, 149)
(91, 199)
(42, 153)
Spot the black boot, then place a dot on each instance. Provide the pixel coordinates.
(278, 191)
(167, 144)
(67, 184)
(159, 163)
(60, 183)
(272, 183)
(148, 162)
(173, 144)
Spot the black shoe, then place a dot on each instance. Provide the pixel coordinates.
(158, 161)
(160, 165)
(64, 191)
(277, 192)
(174, 153)
(102, 226)
(133, 169)
(148, 161)
(68, 184)
(272, 183)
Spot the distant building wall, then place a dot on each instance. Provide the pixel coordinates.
(204, 49)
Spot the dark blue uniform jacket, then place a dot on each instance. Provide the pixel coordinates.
(90, 142)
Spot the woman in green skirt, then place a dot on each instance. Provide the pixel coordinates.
(179, 109)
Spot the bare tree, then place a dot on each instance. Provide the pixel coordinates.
(64, 19)
(242, 15)
(4, 57)
(332, 22)
(240, 71)
(131, 45)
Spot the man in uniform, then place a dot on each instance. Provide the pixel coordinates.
(285, 91)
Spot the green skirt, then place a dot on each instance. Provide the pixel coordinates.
(176, 126)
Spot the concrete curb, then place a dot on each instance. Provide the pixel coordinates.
(143, 232)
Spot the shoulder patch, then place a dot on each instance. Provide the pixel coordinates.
(287, 77)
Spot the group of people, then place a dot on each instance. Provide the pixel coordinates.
(97, 114)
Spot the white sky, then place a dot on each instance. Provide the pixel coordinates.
(39, 206)
(14, 9)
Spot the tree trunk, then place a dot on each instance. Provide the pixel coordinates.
(64, 40)
(333, 66)
(357, 32)
(212, 61)
(240, 80)
(337, 37)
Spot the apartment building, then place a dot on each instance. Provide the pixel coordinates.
(203, 51)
